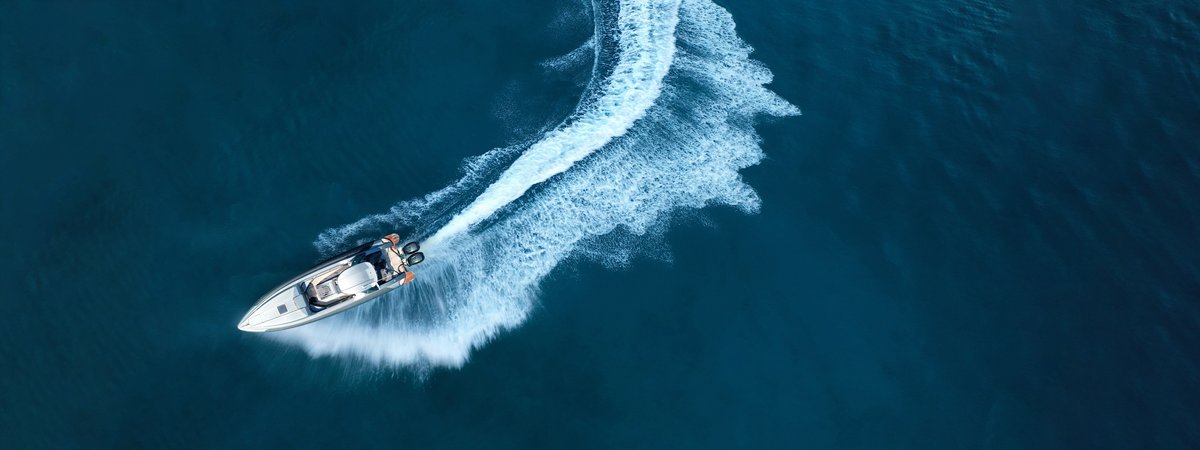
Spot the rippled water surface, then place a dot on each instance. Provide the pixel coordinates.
(979, 233)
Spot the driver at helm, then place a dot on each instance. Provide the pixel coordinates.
(394, 258)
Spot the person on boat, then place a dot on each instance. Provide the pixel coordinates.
(393, 239)
(395, 258)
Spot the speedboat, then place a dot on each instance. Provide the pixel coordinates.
(337, 284)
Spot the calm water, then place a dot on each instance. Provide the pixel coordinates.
(981, 233)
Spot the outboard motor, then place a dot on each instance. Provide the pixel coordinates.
(410, 248)
(414, 258)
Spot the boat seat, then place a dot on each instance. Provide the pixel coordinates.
(325, 291)
(341, 284)
(328, 289)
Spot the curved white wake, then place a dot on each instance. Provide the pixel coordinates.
(668, 128)
(647, 37)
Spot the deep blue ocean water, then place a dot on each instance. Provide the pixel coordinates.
(980, 233)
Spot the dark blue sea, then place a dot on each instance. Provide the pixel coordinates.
(648, 223)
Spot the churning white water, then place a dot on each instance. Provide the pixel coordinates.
(667, 128)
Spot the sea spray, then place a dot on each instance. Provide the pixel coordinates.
(667, 129)
(647, 42)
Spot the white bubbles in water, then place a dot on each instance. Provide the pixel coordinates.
(668, 130)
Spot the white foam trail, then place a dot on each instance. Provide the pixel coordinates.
(572, 58)
(647, 37)
(670, 128)
(410, 213)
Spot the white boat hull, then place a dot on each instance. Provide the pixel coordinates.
(289, 305)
